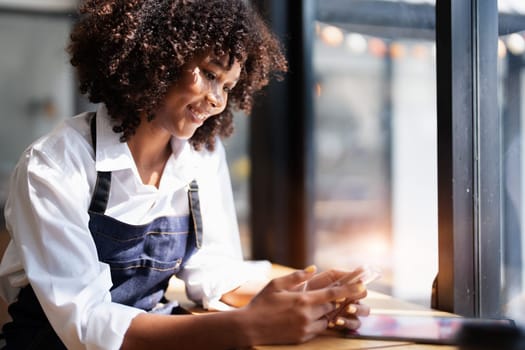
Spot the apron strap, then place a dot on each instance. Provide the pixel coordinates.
(99, 201)
(195, 212)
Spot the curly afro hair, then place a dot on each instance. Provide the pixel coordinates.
(128, 53)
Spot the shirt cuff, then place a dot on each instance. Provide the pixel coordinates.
(244, 272)
(108, 324)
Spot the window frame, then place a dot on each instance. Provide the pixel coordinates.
(469, 149)
(282, 144)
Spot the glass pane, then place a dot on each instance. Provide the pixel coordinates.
(36, 89)
(376, 175)
(239, 164)
(511, 87)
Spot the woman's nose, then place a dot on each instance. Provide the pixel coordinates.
(215, 99)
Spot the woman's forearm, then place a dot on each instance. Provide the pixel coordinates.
(217, 330)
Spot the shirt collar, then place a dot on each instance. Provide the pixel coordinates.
(114, 155)
(111, 153)
(183, 164)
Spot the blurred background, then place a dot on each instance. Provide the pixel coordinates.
(374, 130)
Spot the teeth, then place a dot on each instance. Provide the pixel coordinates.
(199, 116)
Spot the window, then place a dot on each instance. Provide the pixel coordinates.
(426, 179)
(375, 141)
(511, 102)
(237, 154)
(37, 85)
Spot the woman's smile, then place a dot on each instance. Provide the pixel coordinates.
(197, 116)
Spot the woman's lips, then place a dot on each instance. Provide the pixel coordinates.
(197, 116)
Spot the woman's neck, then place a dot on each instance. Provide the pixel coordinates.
(151, 149)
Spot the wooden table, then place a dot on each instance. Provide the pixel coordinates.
(332, 340)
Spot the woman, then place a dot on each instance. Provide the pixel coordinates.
(108, 206)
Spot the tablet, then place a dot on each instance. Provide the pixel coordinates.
(418, 328)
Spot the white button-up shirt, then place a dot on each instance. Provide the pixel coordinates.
(52, 248)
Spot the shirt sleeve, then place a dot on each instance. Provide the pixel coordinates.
(47, 217)
(218, 267)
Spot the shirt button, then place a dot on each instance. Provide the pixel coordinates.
(177, 264)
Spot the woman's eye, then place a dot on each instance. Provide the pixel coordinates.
(227, 89)
(210, 75)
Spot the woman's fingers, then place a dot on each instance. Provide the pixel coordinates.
(354, 291)
(324, 279)
(344, 323)
(349, 311)
(327, 278)
(323, 311)
(351, 277)
(288, 282)
(358, 309)
(319, 326)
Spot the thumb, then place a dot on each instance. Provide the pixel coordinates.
(293, 279)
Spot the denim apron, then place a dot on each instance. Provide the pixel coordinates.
(142, 259)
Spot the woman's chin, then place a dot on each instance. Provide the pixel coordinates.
(184, 135)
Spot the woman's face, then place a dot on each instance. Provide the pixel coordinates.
(201, 92)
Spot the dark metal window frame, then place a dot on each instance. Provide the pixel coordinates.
(469, 147)
(281, 144)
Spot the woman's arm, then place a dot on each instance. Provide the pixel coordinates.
(217, 330)
(47, 217)
(279, 314)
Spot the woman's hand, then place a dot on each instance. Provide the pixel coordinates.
(346, 315)
(346, 311)
(284, 313)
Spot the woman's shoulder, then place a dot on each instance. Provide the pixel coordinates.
(200, 162)
(68, 144)
(213, 156)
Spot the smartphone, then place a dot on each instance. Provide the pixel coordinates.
(367, 275)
